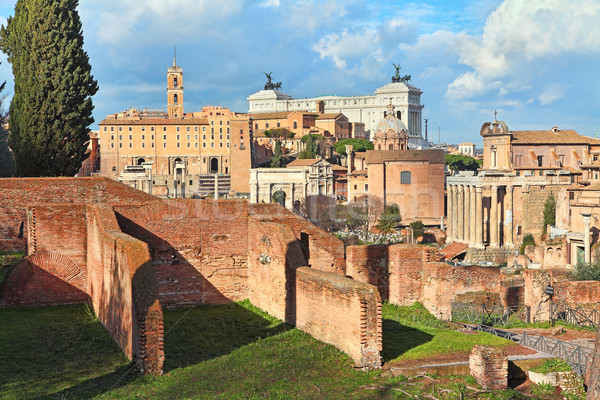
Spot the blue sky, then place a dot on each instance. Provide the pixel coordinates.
(535, 61)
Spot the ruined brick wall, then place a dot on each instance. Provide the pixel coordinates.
(489, 367)
(320, 247)
(406, 266)
(273, 257)
(342, 312)
(592, 378)
(577, 293)
(56, 273)
(531, 207)
(443, 282)
(123, 289)
(17, 193)
(369, 264)
(198, 247)
(535, 293)
(58, 229)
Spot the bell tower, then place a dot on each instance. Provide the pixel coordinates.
(175, 90)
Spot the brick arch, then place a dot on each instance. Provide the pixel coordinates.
(45, 278)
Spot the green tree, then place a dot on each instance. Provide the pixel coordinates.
(313, 146)
(277, 155)
(549, 211)
(51, 109)
(418, 228)
(460, 162)
(6, 156)
(358, 145)
(280, 133)
(389, 218)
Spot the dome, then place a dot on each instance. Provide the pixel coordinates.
(390, 124)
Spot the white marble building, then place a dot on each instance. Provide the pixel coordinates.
(368, 109)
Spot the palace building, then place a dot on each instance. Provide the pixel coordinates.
(367, 109)
(178, 154)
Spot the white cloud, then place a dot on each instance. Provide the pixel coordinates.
(551, 94)
(346, 45)
(308, 15)
(520, 32)
(270, 3)
(175, 21)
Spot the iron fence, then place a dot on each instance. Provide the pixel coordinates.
(575, 355)
(575, 316)
(490, 315)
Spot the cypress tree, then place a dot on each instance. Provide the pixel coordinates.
(52, 107)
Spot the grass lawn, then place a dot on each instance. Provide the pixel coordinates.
(213, 352)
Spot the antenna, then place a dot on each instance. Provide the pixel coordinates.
(174, 56)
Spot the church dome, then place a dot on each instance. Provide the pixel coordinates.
(390, 125)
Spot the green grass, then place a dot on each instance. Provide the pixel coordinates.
(552, 365)
(413, 333)
(234, 351)
(7, 260)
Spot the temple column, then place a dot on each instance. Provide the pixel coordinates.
(467, 214)
(586, 237)
(449, 212)
(461, 213)
(478, 217)
(494, 217)
(472, 217)
(508, 223)
(455, 213)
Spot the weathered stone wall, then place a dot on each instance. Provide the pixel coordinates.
(577, 293)
(199, 248)
(342, 312)
(535, 293)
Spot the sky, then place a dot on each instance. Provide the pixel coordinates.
(536, 62)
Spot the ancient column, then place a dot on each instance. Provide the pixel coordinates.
(461, 213)
(508, 220)
(479, 217)
(472, 217)
(494, 217)
(449, 214)
(455, 213)
(467, 215)
(586, 236)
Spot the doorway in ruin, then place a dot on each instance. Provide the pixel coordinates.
(214, 166)
(279, 197)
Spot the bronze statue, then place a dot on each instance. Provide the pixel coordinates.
(405, 78)
(396, 78)
(270, 85)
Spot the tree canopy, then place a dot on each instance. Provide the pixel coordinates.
(279, 133)
(6, 157)
(461, 162)
(389, 218)
(313, 145)
(276, 161)
(51, 109)
(358, 145)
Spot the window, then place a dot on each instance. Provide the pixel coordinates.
(120, 145)
(130, 137)
(177, 137)
(203, 137)
(175, 81)
(221, 144)
(178, 144)
(255, 126)
(267, 125)
(571, 195)
(278, 124)
(203, 144)
(151, 129)
(143, 137)
(196, 144)
(164, 137)
(189, 145)
(112, 137)
(164, 128)
(120, 137)
(143, 129)
(120, 129)
(220, 130)
(220, 122)
(152, 145)
(227, 144)
(143, 145)
(366, 187)
(196, 128)
(405, 177)
(130, 129)
(355, 187)
(165, 145)
(152, 137)
(130, 145)
(177, 129)
(175, 98)
(203, 129)
(540, 160)
(295, 124)
(112, 145)
(212, 145)
(188, 129)
(188, 137)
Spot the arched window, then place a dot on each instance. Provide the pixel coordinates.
(175, 98)
(140, 161)
(175, 81)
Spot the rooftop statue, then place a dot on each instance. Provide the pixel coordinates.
(270, 85)
(396, 78)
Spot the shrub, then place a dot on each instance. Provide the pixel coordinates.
(552, 365)
(586, 272)
(527, 240)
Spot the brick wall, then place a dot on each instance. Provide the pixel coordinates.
(58, 229)
(406, 266)
(577, 293)
(342, 312)
(123, 289)
(592, 378)
(321, 248)
(489, 367)
(17, 193)
(369, 264)
(199, 248)
(535, 293)
(273, 258)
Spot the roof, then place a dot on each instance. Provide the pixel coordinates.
(306, 162)
(330, 116)
(551, 137)
(273, 115)
(154, 121)
(380, 156)
(336, 167)
(467, 144)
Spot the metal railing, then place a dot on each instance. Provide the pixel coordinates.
(490, 315)
(575, 355)
(579, 316)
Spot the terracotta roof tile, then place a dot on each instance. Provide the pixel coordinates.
(379, 156)
(330, 116)
(307, 162)
(155, 121)
(272, 115)
(550, 137)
